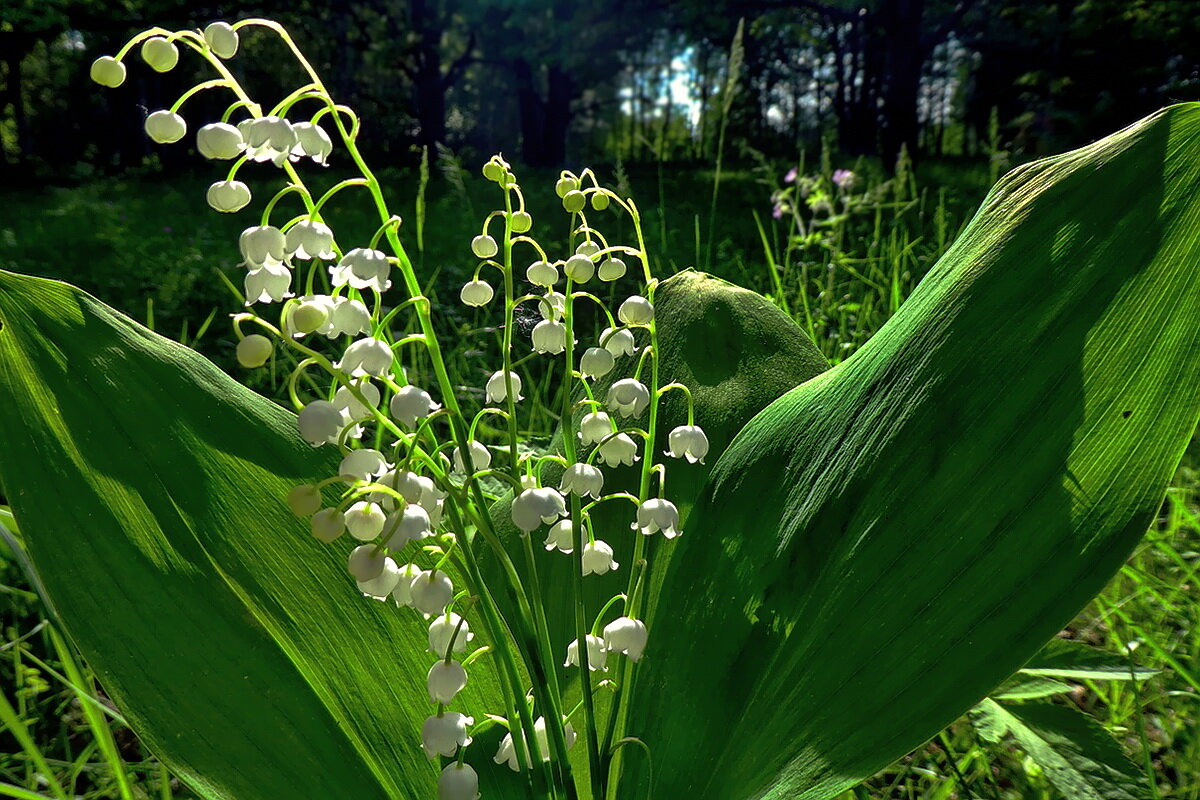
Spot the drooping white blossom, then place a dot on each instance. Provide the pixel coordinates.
(228, 197)
(579, 268)
(320, 422)
(354, 408)
(596, 362)
(441, 630)
(367, 356)
(561, 537)
(593, 427)
(533, 507)
(402, 594)
(363, 268)
(304, 499)
(328, 524)
(445, 680)
(312, 141)
(476, 293)
(107, 71)
(626, 635)
(366, 562)
(598, 558)
(612, 269)
(442, 734)
(432, 591)
(365, 520)
(656, 515)
(497, 387)
(410, 525)
(619, 342)
(161, 54)
(269, 283)
(309, 239)
(348, 318)
(310, 315)
(411, 404)
(587, 248)
(220, 141)
(582, 479)
(628, 397)
(542, 273)
(268, 138)
(550, 337)
(687, 441)
(262, 244)
(636, 310)
(165, 127)
(484, 246)
(222, 39)
(458, 782)
(552, 305)
(507, 753)
(362, 464)
(481, 458)
(597, 653)
(381, 586)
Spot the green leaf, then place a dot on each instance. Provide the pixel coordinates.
(1062, 658)
(149, 488)
(883, 545)
(1026, 687)
(1078, 755)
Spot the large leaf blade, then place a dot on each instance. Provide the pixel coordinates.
(886, 543)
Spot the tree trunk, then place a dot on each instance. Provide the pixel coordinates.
(899, 26)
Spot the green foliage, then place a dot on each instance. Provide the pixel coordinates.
(887, 542)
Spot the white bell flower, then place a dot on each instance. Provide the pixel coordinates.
(431, 593)
(594, 427)
(612, 269)
(628, 397)
(262, 244)
(587, 248)
(349, 318)
(561, 537)
(269, 283)
(476, 293)
(254, 350)
(626, 635)
(497, 387)
(107, 71)
(410, 525)
(532, 507)
(442, 629)
(542, 273)
(458, 782)
(328, 524)
(552, 305)
(619, 342)
(620, 449)
(228, 197)
(687, 441)
(583, 480)
(636, 311)
(220, 141)
(222, 39)
(362, 464)
(320, 422)
(402, 594)
(411, 404)
(443, 734)
(597, 653)
(579, 268)
(366, 562)
(656, 515)
(165, 127)
(598, 558)
(445, 680)
(383, 585)
(596, 362)
(162, 55)
(345, 400)
(365, 520)
(312, 141)
(304, 499)
(268, 139)
(367, 356)
(549, 336)
(484, 246)
(309, 239)
(481, 458)
(507, 753)
(363, 268)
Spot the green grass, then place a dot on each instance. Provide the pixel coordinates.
(149, 246)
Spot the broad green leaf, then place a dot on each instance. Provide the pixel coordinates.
(886, 543)
(149, 488)
(1062, 658)
(1079, 757)
(1029, 687)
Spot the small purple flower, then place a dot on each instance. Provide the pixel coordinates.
(790, 177)
(844, 178)
(777, 211)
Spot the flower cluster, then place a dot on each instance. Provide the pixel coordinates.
(415, 493)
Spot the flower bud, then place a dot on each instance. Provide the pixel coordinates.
(320, 422)
(597, 560)
(304, 499)
(443, 734)
(583, 480)
(368, 356)
(566, 183)
(107, 71)
(165, 127)
(476, 293)
(312, 141)
(310, 316)
(328, 524)
(458, 782)
(520, 222)
(365, 521)
(626, 635)
(160, 54)
(597, 654)
(596, 362)
(484, 246)
(542, 273)
(579, 268)
(441, 630)
(445, 681)
(600, 201)
(612, 269)
(636, 311)
(222, 39)
(228, 196)
(628, 397)
(619, 342)
(587, 248)
(497, 387)
(573, 201)
(493, 171)
(687, 441)
(549, 337)
(411, 404)
(220, 140)
(254, 350)
(366, 562)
